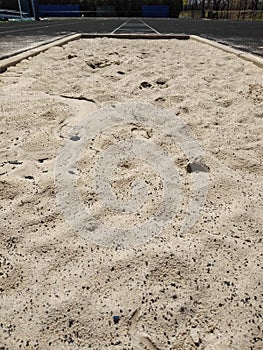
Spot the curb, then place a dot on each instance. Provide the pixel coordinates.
(31, 47)
(16, 58)
(258, 61)
(12, 61)
(137, 36)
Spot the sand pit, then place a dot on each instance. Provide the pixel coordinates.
(196, 289)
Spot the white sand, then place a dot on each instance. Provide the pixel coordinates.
(198, 290)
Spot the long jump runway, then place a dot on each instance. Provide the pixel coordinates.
(19, 36)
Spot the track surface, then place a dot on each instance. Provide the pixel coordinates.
(244, 35)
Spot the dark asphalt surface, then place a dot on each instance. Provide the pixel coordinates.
(18, 36)
(244, 35)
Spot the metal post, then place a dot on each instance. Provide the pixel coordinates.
(33, 8)
(20, 10)
(203, 9)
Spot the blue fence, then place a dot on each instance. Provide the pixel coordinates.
(59, 11)
(155, 11)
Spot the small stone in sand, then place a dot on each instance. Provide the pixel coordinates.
(197, 167)
(116, 319)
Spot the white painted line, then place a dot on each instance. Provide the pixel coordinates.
(136, 30)
(135, 24)
(123, 24)
(149, 27)
(25, 25)
(35, 28)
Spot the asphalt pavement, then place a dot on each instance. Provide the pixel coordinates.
(19, 36)
(243, 35)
